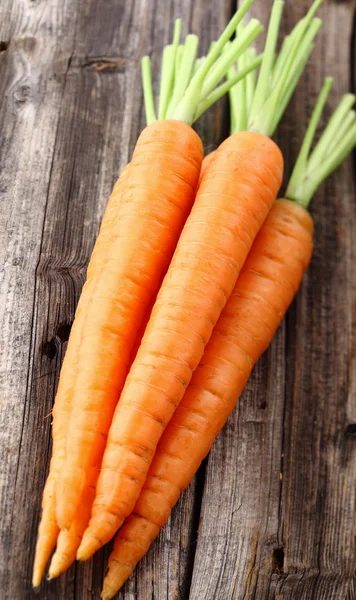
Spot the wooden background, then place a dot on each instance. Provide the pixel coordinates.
(271, 514)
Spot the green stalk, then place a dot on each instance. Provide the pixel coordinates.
(301, 164)
(312, 168)
(305, 50)
(251, 78)
(281, 58)
(146, 69)
(179, 56)
(348, 122)
(264, 80)
(186, 109)
(227, 58)
(322, 148)
(222, 89)
(235, 100)
(239, 118)
(184, 72)
(167, 72)
(338, 156)
(264, 120)
(189, 86)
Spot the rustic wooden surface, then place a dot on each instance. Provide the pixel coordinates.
(271, 514)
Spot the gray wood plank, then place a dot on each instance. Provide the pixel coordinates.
(278, 517)
(33, 72)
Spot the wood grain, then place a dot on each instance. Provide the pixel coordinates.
(277, 513)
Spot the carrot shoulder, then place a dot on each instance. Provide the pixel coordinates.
(233, 200)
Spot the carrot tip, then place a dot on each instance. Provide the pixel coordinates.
(106, 594)
(89, 545)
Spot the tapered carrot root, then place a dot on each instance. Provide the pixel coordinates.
(267, 284)
(232, 202)
(69, 540)
(48, 529)
(157, 197)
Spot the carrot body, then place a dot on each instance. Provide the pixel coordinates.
(266, 287)
(232, 202)
(69, 540)
(206, 164)
(157, 197)
(48, 529)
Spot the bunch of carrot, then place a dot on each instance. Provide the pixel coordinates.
(194, 267)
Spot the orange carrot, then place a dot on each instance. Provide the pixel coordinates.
(233, 200)
(69, 539)
(268, 282)
(154, 205)
(156, 199)
(264, 290)
(48, 528)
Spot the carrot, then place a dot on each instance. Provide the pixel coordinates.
(268, 282)
(211, 251)
(48, 529)
(229, 209)
(156, 199)
(69, 540)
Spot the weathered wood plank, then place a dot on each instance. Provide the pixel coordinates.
(278, 516)
(33, 71)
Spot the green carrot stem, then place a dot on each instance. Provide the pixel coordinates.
(225, 87)
(167, 71)
(186, 109)
(146, 68)
(227, 58)
(281, 58)
(321, 150)
(305, 50)
(239, 118)
(264, 80)
(184, 72)
(179, 56)
(312, 168)
(189, 85)
(235, 100)
(264, 120)
(251, 78)
(344, 128)
(301, 164)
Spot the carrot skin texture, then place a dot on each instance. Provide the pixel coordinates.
(157, 197)
(69, 540)
(206, 164)
(232, 202)
(48, 528)
(268, 282)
